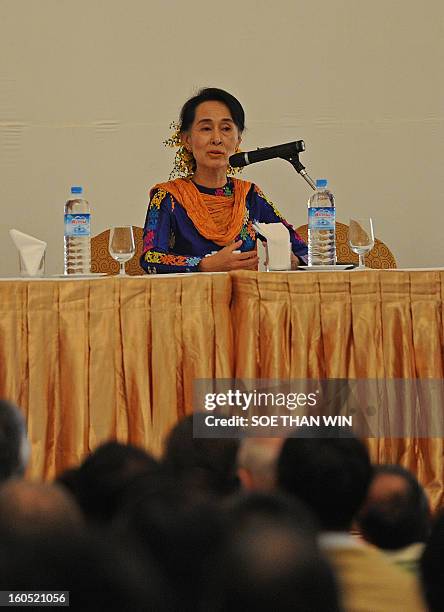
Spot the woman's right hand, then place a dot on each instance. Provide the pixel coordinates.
(226, 260)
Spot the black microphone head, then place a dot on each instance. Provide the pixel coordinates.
(287, 151)
(238, 160)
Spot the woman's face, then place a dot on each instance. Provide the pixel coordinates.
(213, 136)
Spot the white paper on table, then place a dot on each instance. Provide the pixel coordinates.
(278, 243)
(31, 250)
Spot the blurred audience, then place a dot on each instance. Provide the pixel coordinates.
(331, 476)
(268, 558)
(219, 525)
(396, 515)
(14, 445)
(256, 463)
(270, 566)
(98, 573)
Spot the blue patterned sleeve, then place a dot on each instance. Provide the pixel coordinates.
(268, 213)
(158, 236)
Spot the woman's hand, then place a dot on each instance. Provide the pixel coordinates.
(225, 260)
(294, 261)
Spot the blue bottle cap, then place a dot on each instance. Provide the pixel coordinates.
(77, 190)
(321, 183)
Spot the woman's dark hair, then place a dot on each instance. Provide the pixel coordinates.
(188, 111)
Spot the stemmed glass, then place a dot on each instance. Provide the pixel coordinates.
(361, 238)
(121, 245)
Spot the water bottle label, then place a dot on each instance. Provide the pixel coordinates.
(321, 218)
(78, 225)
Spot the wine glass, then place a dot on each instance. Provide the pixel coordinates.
(121, 245)
(361, 238)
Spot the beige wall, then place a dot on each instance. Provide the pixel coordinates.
(89, 87)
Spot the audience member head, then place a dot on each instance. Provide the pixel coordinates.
(246, 510)
(431, 567)
(165, 520)
(256, 463)
(100, 483)
(68, 480)
(14, 446)
(205, 465)
(396, 512)
(269, 565)
(29, 508)
(330, 475)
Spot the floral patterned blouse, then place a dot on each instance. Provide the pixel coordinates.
(171, 242)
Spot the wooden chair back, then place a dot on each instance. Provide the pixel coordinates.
(380, 257)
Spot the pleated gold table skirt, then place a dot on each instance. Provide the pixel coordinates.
(90, 360)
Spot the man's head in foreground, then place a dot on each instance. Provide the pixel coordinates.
(330, 475)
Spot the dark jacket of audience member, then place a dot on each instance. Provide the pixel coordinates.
(99, 574)
(432, 567)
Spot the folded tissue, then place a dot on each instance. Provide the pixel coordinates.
(31, 252)
(278, 245)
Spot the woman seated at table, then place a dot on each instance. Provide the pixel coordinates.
(204, 221)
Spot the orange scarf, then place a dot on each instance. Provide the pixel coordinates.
(217, 218)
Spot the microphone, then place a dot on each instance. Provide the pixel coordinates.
(286, 151)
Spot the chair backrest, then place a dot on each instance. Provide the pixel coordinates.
(379, 257)
(101, 260)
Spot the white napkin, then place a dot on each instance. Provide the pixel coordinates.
(278, 242)
(31, 250)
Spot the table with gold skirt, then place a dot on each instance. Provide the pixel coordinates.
(90, 360)
(348, 325)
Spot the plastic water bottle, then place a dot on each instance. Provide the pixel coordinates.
(321, 226)
(77, 234)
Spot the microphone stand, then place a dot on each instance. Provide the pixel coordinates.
(300, 169)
